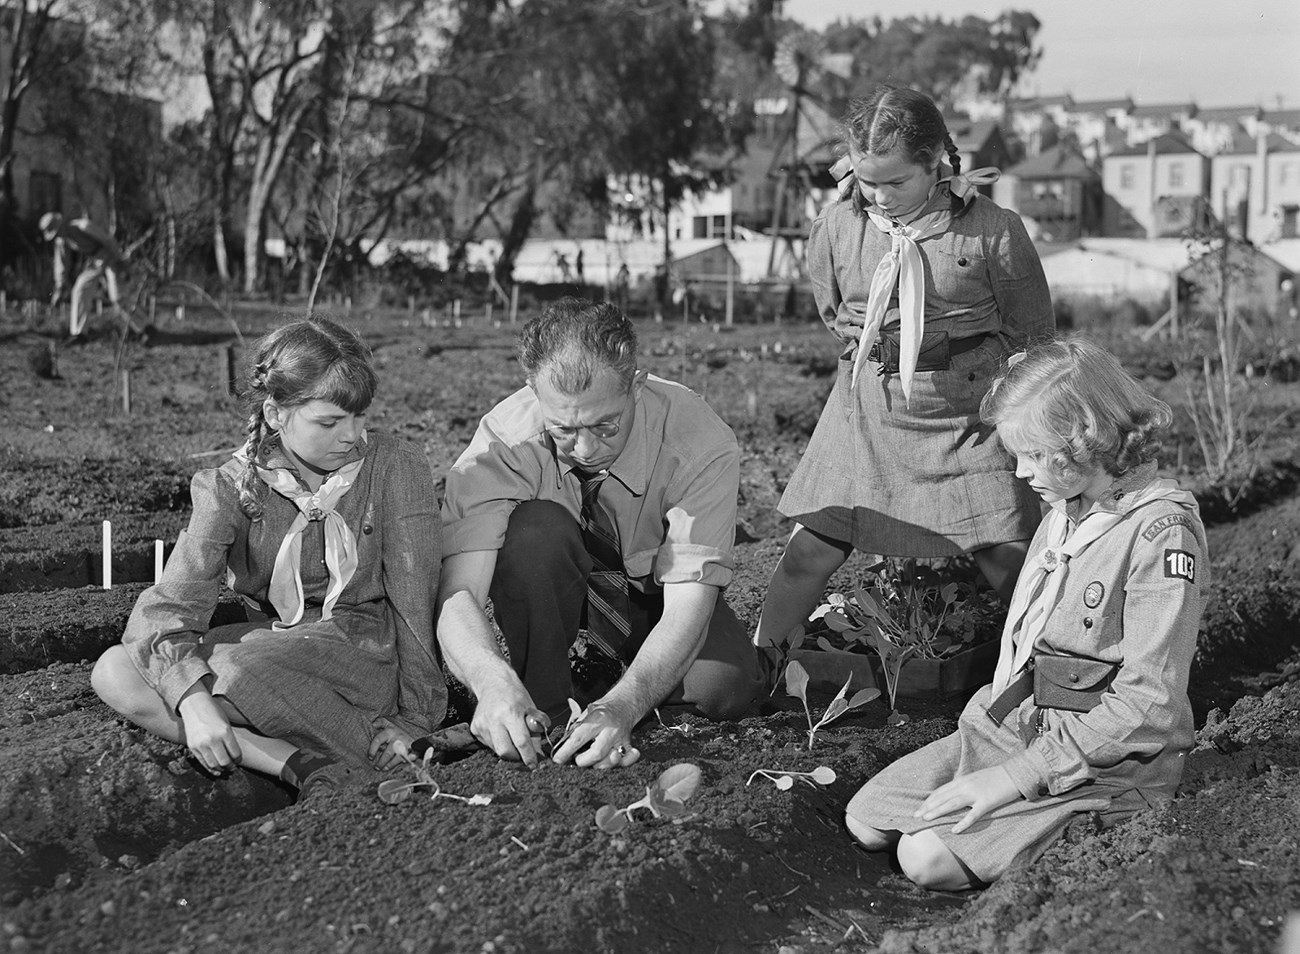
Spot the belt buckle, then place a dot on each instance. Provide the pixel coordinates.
(874, 353)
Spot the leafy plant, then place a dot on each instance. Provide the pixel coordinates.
(392, 790)
(909, 609)
(796, 684)
(665, 797)
(784, 779)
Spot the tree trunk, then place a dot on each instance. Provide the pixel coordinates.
(271, 151)
(219, 245)
(521, 224)
(667, 294)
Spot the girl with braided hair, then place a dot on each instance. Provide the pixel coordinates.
(330, 537)
(927, 285)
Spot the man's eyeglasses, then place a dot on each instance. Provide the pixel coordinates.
(601, 429)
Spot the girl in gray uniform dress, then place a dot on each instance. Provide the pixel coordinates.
(331, 538)
(927, 285)
(1088, 709)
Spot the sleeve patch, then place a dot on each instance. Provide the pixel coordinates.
(1160, 524)
(1179, 564)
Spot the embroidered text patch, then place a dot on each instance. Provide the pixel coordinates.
(1161, 524)
(1180, 564)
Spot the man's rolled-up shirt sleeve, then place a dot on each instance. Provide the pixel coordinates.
(483, 488)
(700, 521)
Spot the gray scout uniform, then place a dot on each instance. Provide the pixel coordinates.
(321, 683)
(1134, 597)
(925, 479)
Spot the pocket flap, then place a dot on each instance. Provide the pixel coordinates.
(1075, 673)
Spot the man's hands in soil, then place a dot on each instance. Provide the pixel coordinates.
(601, 738)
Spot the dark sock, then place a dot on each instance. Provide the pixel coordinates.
(301, 764)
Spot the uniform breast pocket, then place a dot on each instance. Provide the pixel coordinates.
(961, 276)
(1098, 630)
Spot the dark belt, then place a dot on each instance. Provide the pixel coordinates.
(1021, 688)
(937, 350)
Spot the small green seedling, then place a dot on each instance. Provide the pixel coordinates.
(784, 780)
(392, 790)
(682, 727)
(665, 798)
(796, 684)
(549, 745)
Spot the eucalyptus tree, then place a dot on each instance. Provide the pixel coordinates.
(940, 56)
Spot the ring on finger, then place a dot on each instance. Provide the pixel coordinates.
(620, 750)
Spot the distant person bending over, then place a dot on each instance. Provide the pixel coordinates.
(100, 258)
(329, 535)
(601, 497)
(927, 285)
(622, 286)
(1088, 709)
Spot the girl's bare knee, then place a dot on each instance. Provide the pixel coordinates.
(116, 681)
(926, 861)
(872, 839)
(808, 554)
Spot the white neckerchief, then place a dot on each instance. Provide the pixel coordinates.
(1040, 582)
(285, 590)
(903, 268)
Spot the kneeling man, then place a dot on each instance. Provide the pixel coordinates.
(597, 496)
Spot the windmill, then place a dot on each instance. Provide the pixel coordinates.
(798, 64)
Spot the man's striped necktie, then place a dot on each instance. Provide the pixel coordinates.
(608, 624)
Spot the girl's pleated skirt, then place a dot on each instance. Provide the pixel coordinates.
(921, 479)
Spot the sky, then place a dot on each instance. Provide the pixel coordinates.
(1210, 52)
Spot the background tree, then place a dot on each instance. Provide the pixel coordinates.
(35, 51)
(940, 57)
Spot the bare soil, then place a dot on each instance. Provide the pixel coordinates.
(113, 841)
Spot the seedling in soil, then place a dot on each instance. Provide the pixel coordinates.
(392, 790)
(665, 798)
(576, 712)
(784, 780)
(682, 727)
(796, 684)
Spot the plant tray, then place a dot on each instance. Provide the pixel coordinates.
(828, 670)
(947, 678)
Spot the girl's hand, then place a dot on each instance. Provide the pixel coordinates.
(983, 791)
(208, 732)
(390, 746)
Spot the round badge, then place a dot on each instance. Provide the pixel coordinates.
(1093, 593)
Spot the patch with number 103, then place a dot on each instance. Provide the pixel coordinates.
(1180, 564)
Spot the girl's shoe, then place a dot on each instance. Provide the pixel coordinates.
(326, 780)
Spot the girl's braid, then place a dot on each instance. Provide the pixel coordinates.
(251, 487)
(954, 158)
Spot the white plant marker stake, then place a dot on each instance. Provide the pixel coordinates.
(108, 555)
(157, 560)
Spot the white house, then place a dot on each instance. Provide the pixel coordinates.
(1156, 188)
(1255, 187)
